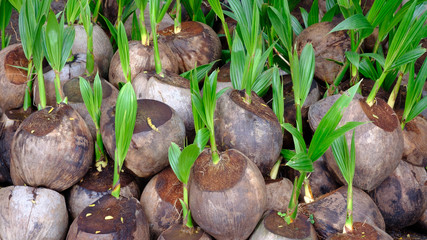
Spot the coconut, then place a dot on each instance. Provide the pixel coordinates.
(329, 211)
(362, 230)
(379, 142)
(51, 148)
(326, 46)
(160, 201)
(180, 232)
(32, 213)
(157, 125)
(196, 44)
(253, 129)
(278, 193)
(401, 197)
(217, 191)
(415, 142)
(13, 80)
(111, 218)
(102, 49)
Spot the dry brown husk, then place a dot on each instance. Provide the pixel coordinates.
(95, 184)
(160, 201)
(379, 144)
(274, 227)
(52, 148)
(102, 48)
(111, 218)
(401, 197)
(329, 211)
(13, 81)
(196, 44)
(278, 194)
(217, 193)
(148, 151)
(32, 213)
(362, 230)
(253, 129)
(326, 46)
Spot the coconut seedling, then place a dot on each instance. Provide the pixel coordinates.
(31, 19)
(57, 43)
(181, 163)
(6, 12)
(216, 7)
(253, 127)
(223, 180)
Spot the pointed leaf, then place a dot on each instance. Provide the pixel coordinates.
(173, 153)
(301, 162)
(410, 56)
(186, 160)
(295, 133)
(202, 138)
(355, 22)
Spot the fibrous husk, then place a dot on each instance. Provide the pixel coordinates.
(326, 46)
(111, 218)
(181, 232)
(401, 197)
(52, 148)
(217, 193)
(13, 80)
(278, 194)
(329, 211)
(32, 213)
(102, 48)
(160, 201)
(415, 142)
(157, 125)
(379, 142)
(362, 230)
(253, 129)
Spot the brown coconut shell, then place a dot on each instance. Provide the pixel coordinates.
(142, 59)
(196, 43)
(415, 142)
(274, 227)
(166, 21)
(180, 232)
(326, 46)
(95, 184)
(9, 123)
(279, 193)
(160, 201)
(253, 129)
(379, 142)
(111, 218)
(223, 79)
(13, 81)
(148, 151)
(329, 211)
(72, 69)
(102, 48)
(170, 89)
(401, 197)
(71, 89)
(217, 193)
(32, 213)
(52, 148)
(362, 231)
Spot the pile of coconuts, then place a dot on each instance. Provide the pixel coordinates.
(50, 187)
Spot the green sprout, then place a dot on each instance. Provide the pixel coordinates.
(72, 11)
(93, 101)
(31, 19)
(181, 163)
(125, 116)
(216, 7)
(142, 4)
(5, 13)
(123, 44)
(205, 105)
(278, 109)
(247, 55)
(85, 17)
(96, 11)
(17, 4)
(346, 162)
(414, 105)
(57, 48)
(194, 10)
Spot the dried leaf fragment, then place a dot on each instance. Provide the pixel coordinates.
(152, 125)
(109, 217)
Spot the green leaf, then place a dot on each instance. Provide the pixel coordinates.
(354, 58)
(313, 16)
(342, 156)
(408, 57)
(17, 4)
(287, 154)
(380, 59)
(200, 70)
(173, 153)
(329, 15)
(307, 72)
(186, 160)
(413, 106)
(97, 93)
(68, 41)
(282, 26)
(278, 99)
(298, 136)
(136, 33)
(72, 11)
(202, 138)
(122, 43)
(301, 162)
(87, 95)
(237, 65)
(5, 13)
(355, 22)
